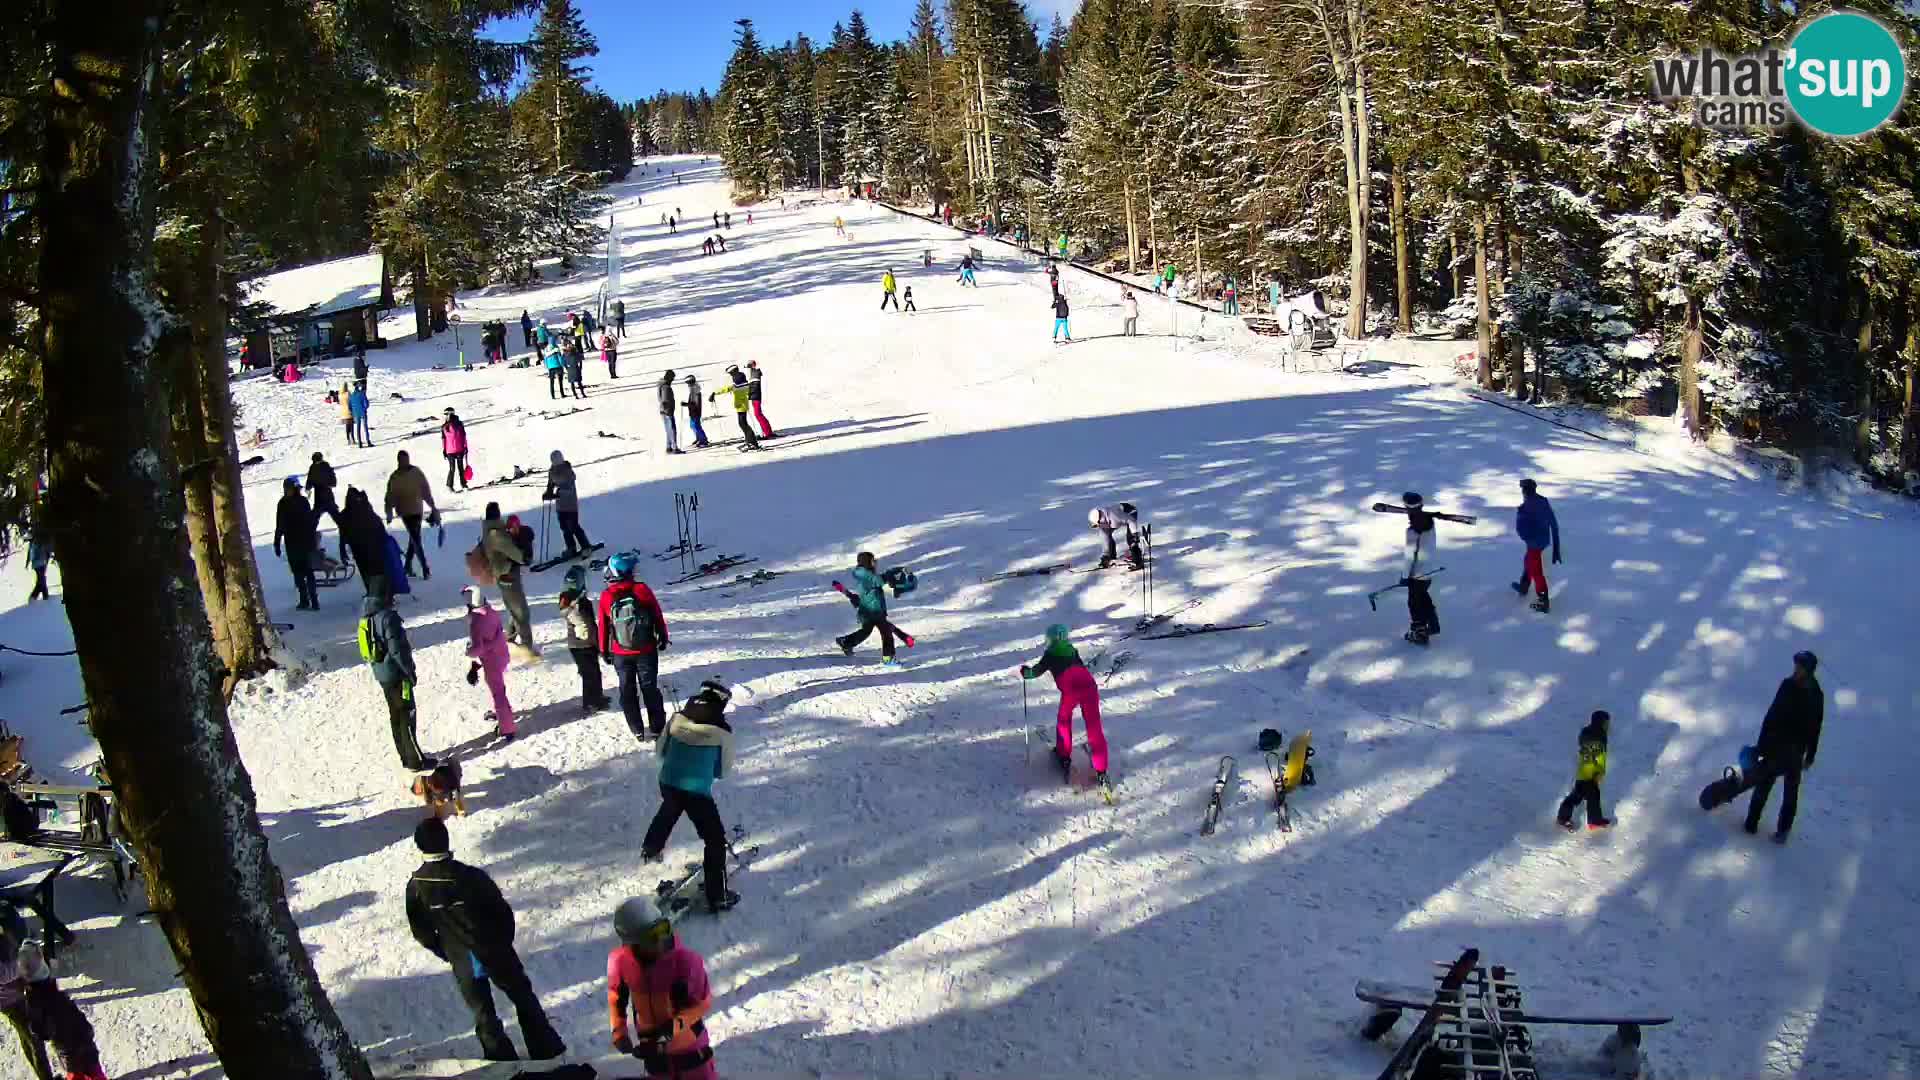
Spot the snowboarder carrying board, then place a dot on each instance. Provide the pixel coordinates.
(1789, 739)
(1059, 659)
(1536, 525)
(1589, 770)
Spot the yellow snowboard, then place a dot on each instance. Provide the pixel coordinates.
(1296, 761)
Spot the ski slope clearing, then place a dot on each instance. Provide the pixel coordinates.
(927, 901)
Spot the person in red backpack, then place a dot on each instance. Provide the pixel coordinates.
(633, 631)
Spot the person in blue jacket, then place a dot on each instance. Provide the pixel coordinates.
(556, 373)
(1535, 523)
(869, 600)
(357, 405)
(695, 750)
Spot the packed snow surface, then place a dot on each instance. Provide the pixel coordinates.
(927, 900)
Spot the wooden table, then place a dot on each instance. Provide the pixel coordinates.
(27, 875)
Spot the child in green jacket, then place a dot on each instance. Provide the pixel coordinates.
(1590, 770)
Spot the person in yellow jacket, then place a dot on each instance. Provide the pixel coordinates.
(1589, 771)
(887, 285)
(742, 394)
(346, 413)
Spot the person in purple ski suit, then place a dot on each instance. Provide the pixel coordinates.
(487, 645)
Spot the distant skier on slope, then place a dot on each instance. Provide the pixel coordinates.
(1130, 310)
(1122, 516)
(1589, 770)
(563, 490)
(663, 393)
(693, 414)
(753, 399)
(1061, 660)
(1060, 317)
(453, 447)
(740, 404)
(966, 270)
(1535, 523)
(664, 984)
(887, 285)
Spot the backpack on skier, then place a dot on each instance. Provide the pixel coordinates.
(372, 649)
(632, 623)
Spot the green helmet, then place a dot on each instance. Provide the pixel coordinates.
(1057, 634)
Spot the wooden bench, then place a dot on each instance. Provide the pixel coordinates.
(27, 874)
(82, 821)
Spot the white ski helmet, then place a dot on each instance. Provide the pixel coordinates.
(1093, 517)
(640, 921)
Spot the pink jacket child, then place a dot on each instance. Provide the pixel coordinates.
(487, 644)
(663, 984)
(453, 436)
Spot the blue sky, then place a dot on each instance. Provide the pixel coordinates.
(650, 45)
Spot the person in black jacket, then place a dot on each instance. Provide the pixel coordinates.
(457, 913)
(293, 525)
(320, 482)
(363, 534)
(1789, 739)
(360, 368)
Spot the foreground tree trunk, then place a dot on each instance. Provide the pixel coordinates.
(1483, 319)
(422, 313)
(115, 509)
(1350, 88)
(244, 614)
(1402, 273)
(1863, 371)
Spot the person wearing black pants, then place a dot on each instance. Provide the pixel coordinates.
(633, 631)
(562, 489)
(320, 481)
(294, 527)
(457, 913)
(392, 664)
(1789, 739)
(620, 318)
(695, 750)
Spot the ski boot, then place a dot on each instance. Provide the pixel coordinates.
(1418, 635)
(1603, 823)
(1567, 824)
(727, 902)
(652, 856)
(1540, 604)
(1065, 764)
(1519, 587)
(888, 661)
(845, 649)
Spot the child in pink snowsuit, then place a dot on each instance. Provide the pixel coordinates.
(662, 984)
(1077, 688)
(487, 643)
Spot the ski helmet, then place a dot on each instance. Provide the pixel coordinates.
(1411, 499)
(1056, 635)
(639, 921)
(1806, 659)
(1093, 517)
(621, 566)
(576, 579)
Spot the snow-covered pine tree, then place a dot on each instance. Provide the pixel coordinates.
(551, 112)
(748, 117)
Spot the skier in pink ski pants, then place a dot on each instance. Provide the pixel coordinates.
(1077, 689)
(487, 644)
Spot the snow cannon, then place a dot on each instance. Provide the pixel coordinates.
(1306, 320)
(1734, 781)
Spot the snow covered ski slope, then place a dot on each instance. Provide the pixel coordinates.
(926, 901)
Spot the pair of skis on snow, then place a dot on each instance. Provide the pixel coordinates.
(1288, 775)
(677, 895)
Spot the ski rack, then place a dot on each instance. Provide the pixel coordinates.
(686, 527)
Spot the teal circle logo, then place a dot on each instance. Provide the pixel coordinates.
(1846, 74)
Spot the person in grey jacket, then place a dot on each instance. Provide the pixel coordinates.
(566, 504)
(664, 391)
(384, 646)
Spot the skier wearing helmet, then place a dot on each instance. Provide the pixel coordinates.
(1111, 519)
(695, 750)
(693, 413)
(1077, 689)
(663, 984)
(632, 633)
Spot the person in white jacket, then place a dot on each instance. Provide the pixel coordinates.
(1130, 306)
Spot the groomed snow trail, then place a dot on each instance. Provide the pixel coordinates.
(926, 902)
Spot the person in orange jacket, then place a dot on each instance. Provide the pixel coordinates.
(663, 985)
